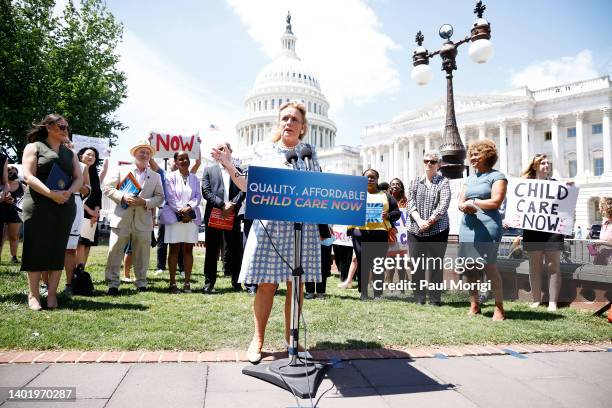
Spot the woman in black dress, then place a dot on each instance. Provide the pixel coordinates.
(47, 214)
(12, 220)
(543, 247)
(93, 203)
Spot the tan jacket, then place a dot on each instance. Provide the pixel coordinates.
(152, 192)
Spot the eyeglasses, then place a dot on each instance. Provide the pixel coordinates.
(430, 161)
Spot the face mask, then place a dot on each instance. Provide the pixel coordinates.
(12, 177)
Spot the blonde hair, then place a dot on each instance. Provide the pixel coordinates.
(276, 135)
(530, 171)
(485, 147)
(605, 203)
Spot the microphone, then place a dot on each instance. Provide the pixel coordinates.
(292, 157)
(306, 156)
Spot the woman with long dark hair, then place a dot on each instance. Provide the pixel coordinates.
(48, 213)
(93, 203)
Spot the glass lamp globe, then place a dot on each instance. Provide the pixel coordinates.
(421, 74)
(446, 31)
(481, 51)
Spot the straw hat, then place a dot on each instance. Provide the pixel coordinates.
(140, 144)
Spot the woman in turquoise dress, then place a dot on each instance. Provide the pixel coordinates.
(47, 214)
(481, 226)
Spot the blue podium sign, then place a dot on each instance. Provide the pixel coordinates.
(302, 196)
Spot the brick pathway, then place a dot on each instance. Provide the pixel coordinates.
(71, 356)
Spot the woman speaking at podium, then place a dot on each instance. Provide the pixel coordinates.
(269, 249)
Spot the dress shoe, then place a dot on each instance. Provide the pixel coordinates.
(141, 289)
(237, 287)
(113, 291)
(208, 289)
(253, 353)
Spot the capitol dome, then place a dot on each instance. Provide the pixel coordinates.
(285, 78)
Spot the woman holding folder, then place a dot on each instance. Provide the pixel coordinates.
(53, 175)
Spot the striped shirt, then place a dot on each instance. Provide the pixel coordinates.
(431, 201)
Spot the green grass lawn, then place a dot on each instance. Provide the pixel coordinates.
(158, 320)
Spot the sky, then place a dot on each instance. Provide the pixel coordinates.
(191, 63)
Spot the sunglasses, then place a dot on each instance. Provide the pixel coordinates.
(63, 127)
(430, 161)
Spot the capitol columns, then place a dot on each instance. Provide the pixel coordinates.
(525, 156)
(607, 142)
(404, 147)
(482, 131)
(411, 157)
(580, 144)
(427, 142)
(503, 146)
(557, 159)
(397, 158)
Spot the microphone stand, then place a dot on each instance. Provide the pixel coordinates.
(295, 375)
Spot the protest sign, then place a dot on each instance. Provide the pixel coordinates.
(100, 144)
(302, 196)
(541, 205)
(166, 145)
(454, 215)
(402, 225)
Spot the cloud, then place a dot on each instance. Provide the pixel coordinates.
(162, 97)
(340, 40)
(543, 74)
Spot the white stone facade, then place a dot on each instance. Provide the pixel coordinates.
(284, 79)
(570, 123)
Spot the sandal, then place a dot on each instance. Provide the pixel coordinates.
(186, 288)
(173, 289)
(34, 303)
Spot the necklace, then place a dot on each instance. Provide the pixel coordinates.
(284, 146)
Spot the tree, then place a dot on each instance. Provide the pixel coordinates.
(66, 65)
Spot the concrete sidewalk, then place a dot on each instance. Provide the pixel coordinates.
(555, 379)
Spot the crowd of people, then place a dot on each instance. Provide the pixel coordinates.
(64, 194)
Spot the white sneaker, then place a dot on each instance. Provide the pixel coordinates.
(182, 274)
(158, 272)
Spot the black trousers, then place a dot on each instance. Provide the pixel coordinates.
(343, 255)
(428, 248)
(232, 253)
(326, 262)
(162, 251)
(369, 245)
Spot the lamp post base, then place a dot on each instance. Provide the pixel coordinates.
(452, 171)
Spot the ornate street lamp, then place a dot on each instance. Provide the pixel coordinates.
(481, 49)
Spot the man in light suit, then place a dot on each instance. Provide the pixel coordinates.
(220, 191)
(134, 222)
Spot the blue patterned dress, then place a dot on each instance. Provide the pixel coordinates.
(261, 263)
